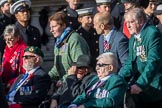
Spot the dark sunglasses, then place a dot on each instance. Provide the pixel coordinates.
(101, 64)
(83, 67)
(28, 56)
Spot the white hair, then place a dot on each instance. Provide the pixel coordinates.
(109, 58)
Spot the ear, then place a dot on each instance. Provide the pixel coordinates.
(64, 25)
(16, 16)
(98, 8)
(111, 68)
(79, 19)
(37, 60)
(102, 26)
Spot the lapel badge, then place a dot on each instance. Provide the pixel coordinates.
(31, 49)
(23, 4)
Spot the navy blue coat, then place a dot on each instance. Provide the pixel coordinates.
(32, 93)
(118, 45)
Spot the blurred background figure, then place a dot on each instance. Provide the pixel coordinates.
(5, 19)
(29, 34)
(114, 7)
(71, 13)
(86, 30)
(158, 14)
(149, 10)
(12, 58)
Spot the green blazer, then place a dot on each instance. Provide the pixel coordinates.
(145, 59)
(109, 94)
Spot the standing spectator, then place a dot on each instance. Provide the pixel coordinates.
(31, 88)
(68, 47)
(144, 62)
(158, 14)
(106, 90)
(87, 31)
(12, 58)
(70, 11)
(5, 19)
(29, 34)
(79, 76)
(111, 39)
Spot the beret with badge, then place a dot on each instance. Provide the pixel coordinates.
(103, 2)
(20, 5)
(85, 11)
(34, 50)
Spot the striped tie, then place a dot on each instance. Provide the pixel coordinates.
(106, 46)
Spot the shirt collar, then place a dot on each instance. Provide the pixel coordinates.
(33, 70)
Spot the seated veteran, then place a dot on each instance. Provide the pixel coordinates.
(30, 89)
(79, 76)
(107, 89)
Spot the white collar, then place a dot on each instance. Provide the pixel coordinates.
(33, 70)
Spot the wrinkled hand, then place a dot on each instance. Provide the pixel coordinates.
(72, 70)
(53, 103)
(135, 89)
(81, 106)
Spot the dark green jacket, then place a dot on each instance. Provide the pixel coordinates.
(109, 95)
(147, 64)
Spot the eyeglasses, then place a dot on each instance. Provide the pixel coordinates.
(101, 64)
(28, 56)
(9, 39)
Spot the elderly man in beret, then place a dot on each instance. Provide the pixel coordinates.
(158, 14)
(30, 89)
(29, 33)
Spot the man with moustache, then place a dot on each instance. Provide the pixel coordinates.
(30, 89)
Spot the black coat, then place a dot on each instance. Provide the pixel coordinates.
(3, 103)
(72, 17)
(71, 88)
(30, 35)
(92, 38)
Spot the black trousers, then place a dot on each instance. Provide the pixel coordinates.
(139, 103)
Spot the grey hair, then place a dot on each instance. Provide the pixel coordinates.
(11, 30)
(136, 13)
(109, 58)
